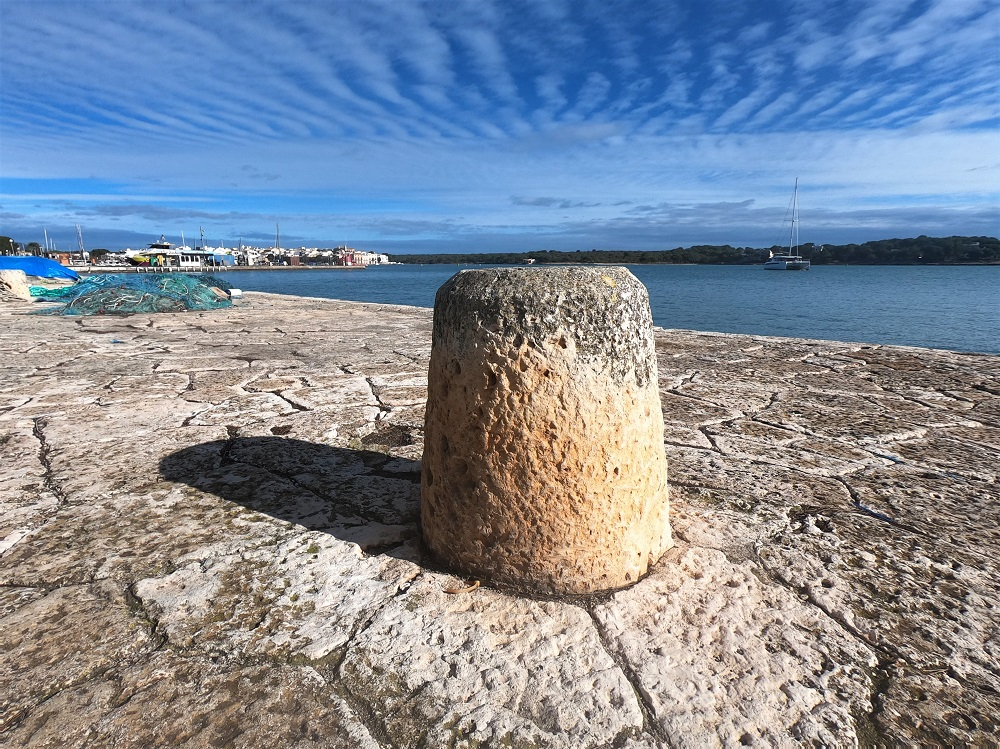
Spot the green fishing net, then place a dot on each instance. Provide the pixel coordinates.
(127, 294)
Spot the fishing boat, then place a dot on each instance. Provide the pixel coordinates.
(791, 260)
(163, 254)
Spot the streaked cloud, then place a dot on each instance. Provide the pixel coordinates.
(500, 121)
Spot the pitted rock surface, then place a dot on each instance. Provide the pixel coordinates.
(543, 463)
(209, 537)
(564, 306)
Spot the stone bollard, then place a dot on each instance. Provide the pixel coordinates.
(543, 465)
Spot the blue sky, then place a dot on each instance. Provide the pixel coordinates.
(454, 125)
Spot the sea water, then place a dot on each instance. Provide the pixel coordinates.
(949, 307)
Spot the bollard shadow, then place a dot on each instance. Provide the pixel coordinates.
(364, 497)
(361, 496)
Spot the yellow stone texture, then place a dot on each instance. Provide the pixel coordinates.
(543, 465)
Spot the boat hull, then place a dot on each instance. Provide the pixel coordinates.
(786, 263)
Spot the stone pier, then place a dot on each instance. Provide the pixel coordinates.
(543, 462)
(209, 536)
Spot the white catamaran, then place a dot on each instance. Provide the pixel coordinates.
(792, 260)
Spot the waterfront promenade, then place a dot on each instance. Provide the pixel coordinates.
(209, 537)
(86, 270)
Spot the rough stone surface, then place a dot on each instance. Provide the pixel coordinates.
(209, 537)
(543, 463)
(14, 285)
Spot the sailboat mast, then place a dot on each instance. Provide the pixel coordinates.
(79, 239)
(793, 239)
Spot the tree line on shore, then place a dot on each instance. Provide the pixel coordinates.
(922, 250)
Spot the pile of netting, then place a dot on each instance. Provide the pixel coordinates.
(121, 294)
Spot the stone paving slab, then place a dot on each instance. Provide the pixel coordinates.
(209, 537)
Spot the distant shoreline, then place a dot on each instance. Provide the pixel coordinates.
(542, 263)
(91, 270)
(922, 250)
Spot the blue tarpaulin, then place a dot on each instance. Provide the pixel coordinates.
(37, 266)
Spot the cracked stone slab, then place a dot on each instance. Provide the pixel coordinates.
(300, 598)
(174, 699)
(209, 536)
(494, 669)
(61, 640)
(753, 665)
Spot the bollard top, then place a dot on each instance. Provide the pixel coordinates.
(603, 310)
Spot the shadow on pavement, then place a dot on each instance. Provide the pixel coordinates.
(362, 496)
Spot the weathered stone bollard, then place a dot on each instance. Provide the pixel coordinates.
(543, 463)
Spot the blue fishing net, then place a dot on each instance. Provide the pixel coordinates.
(128, 294)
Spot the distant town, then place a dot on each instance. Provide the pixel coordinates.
(163, 254)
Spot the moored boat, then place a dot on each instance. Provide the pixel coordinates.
(790, 260)
(786, 262)
(163, 254)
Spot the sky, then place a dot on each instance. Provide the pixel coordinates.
(497, 125)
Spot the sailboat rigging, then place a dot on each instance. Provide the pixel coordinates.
(792, 260)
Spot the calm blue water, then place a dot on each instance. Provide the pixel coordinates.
(949, 307)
